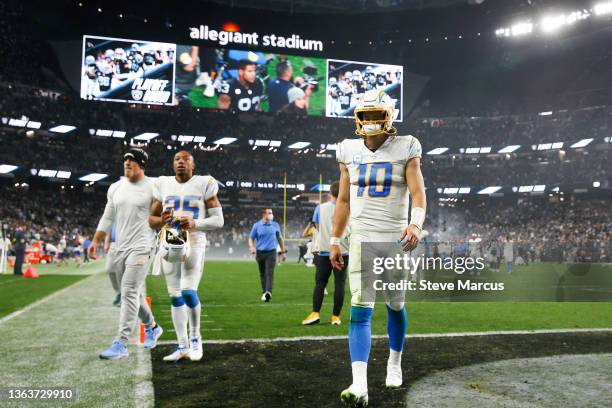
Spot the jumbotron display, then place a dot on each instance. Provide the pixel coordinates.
(127, 71)
(230, 79)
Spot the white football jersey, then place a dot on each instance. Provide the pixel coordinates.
(187, 199)
(379, 191)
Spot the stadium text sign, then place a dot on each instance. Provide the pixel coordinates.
(269, 40)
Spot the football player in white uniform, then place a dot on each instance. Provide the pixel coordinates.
(377, 172)
(186, 206)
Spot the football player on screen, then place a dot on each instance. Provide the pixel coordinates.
(242, 94)
(379, 172)
(185, 207)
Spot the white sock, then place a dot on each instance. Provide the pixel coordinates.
(360, 374)
(395, 357)
(179, 318)
(194, 320)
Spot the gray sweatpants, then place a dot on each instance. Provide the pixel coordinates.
(112, 275)
(131, 268)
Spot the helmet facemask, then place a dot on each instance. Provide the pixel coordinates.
(373, 122)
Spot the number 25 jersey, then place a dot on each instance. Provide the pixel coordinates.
(379, 191)
(187, 199)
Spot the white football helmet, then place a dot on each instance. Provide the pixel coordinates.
(174, 245)
(379, 102)
(348, 76)
(90, 60)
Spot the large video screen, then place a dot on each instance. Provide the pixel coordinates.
(131, 71)
(249, 81)
(348, 80)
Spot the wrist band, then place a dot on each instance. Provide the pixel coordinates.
(417, 217)
(334, 241)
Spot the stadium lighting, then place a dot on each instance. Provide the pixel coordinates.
(437, 150)
(521, 28)
(581, 143)
(509, 149)
(545, 113)
(503, 32)
(552, 23)
(63, 174)
(225, 141)
(539, 188)
(265, 142)
(62, 129)
(490, 190)
(7, 168)
(93, 177)
(596, 184)
(603, 8)
(52, 173)
(525, 189)
(146, 136)
(298, 145)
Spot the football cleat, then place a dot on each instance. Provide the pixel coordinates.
(179, 354)
(353, 397)
(335, 321)
(116, 351)
(151, 336)
(195, 352)
(266, 297)
(394, 375)
(263, 297)
(312, 318)
(117, 301)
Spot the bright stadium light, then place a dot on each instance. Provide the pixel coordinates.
(596, 184)
(185, 138)
(521, 28)
(550, 24)
(7, 168)
(225, 141)
(199, 139)
(582, 143)
(603, 8)
(437, 150)
(298, 145)
(62, 129)
(63, 174)
(464, 190)
(146, 136)
(539, 188)
(33, 125)
(509, 149)
(545, 113)
(275, 143)
(490, 190)
(93, 177)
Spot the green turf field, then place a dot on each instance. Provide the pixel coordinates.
(232, 309)
(17, 292)
(317, 99)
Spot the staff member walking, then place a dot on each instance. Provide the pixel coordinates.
(322, 219)
(263, 240)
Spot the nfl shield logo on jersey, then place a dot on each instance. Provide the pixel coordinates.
(137, 94)
(357, 159)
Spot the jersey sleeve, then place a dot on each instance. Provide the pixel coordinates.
(253, 233)
(211, 188)
(224, 89)
(340, 152)
(156, 184)
(316, 216)
(414, 148)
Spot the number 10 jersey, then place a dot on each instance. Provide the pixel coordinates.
(379, 191)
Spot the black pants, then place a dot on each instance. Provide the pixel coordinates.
(266, 260)
(18, 262)
(324, 270)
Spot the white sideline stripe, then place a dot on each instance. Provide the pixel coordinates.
(43, 300)
(144, 396)
(409, 336)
